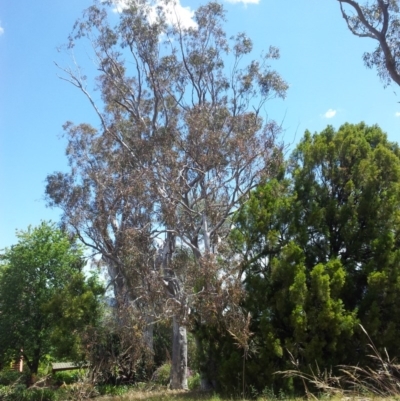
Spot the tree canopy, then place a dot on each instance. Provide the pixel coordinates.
(34, 273)
(182, 140)
(322, 251)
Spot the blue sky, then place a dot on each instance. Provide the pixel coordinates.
(320, 59)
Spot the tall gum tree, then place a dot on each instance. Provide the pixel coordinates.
(182, 141)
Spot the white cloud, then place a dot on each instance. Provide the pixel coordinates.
(243, 1)
(397, 114)
(175, 13)
(330, 113)
(1, 30)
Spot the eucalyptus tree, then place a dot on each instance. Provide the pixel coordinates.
(183, 138)
(378, 20)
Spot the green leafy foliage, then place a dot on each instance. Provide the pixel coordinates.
(320, 250)
(8, 376)
(19, 392)
(76, 312)
(41, 271)
(194, 381)
(112, 390)
(67, 377)
(162, 374)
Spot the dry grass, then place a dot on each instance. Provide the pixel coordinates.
(163, 394)
(169, 395)
(378, 382)
(381, 380)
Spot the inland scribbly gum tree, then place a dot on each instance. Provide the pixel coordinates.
(183, 138)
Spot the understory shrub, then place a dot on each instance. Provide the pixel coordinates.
(67, 377)
(109, 389)
(194, 381)
(162, 374)
(19, 392)
(8, 376)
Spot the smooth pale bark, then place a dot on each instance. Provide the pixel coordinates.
(179, 357)
(178, 379)
(205, 383)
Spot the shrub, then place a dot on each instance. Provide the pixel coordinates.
(68, 377)
(38, 394)
(194, 381)
(4, 391)
(8, 376)
(20, 393)
(162, 374)
(109, 389)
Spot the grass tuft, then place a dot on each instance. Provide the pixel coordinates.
(382, 379)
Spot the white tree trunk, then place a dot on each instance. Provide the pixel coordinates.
(178, 379)
(179, 357)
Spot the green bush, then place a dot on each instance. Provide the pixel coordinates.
(4, 391)
(8, 376)
(194, 381)
(19, 392)
(109, 389)
(162, 374)
(12, 392)
(38, 394)
(67, 377)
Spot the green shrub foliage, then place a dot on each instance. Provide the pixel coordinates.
(321, 254)
(46, 303)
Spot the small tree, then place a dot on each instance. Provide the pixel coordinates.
(33, 273)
